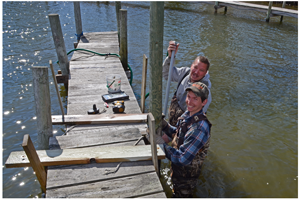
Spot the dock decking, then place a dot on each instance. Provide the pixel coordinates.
(87, 83)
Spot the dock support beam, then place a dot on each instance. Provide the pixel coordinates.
(151, 125)
(41, 93)
(78, 23)
(269, 11)
(156, 59)
(216, 6)
(60, 47)
(123, 39)
(118, 7)
(35, 161)
(283, 5)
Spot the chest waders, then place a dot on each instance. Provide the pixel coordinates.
(184, 178)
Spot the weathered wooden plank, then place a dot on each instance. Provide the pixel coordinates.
(53, 144)
(155, 195)
(84, 155)
(99, 63)
(133, 186)
(75, 174)
(35, 161)
(98, 119)
(104, 128)
(78, 54)
(95, 138)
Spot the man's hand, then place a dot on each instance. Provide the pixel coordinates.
(172, 47)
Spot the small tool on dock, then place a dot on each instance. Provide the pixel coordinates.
(95, 110)
(118, 107)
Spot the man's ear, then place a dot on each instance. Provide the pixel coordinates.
(204, 102)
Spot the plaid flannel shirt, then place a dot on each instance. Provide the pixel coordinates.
(194, 139)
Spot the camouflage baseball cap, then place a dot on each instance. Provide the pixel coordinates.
(200, 89)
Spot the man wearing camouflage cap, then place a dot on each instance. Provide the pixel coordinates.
(190, 142)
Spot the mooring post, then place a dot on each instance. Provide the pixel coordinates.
(269, 11)
(123, 39)
(216, 6)
(59, 43)
(144, 78)
(41, 93)
(118, 7)
(35, 161)
(225, 10)
(77, 15)
(283, 5)
(155, 61)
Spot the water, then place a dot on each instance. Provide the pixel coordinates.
(254, 66)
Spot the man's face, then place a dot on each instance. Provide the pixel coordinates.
(198, 70)
(194, 103)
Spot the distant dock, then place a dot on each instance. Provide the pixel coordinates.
(269, 10)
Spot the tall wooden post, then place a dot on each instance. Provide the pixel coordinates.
(59, 43)
(118, 7)
(283, 5)
(78, 23)
(123, 39)
(41, 93)
(144, 78)
(155, 61)
(269, 11)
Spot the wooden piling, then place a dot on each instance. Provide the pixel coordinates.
(156, 59)
(78, 23)
(144, 78)
(35, 161)
(118, 7)
(283, 5)
(42, 105)
(216, 6)
(59, 43)
(269, 11)
(123, 39)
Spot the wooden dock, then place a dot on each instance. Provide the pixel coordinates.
(275, 11)
(87, 83)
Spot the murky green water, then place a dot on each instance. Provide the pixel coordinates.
(254, 77)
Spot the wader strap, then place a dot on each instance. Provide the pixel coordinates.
(184, 127)
(186, 74)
